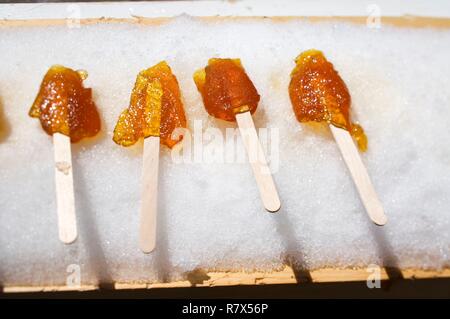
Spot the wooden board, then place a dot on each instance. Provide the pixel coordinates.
(201, 278)
(404, 22)
(288, 275)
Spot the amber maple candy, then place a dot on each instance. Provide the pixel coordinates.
(226, 89)
(155, 108)
(319, 94)
(64, 106)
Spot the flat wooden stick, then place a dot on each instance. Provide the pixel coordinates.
(263, 176)
(359, 174)
(149, 199)
(65, 202)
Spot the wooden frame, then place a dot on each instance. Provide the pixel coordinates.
(201, 278)
(288, 275)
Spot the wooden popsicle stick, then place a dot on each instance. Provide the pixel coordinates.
(65, 201)
(149, 198)
(359, 174)
(263, 176)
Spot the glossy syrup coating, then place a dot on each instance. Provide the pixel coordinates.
(226, 89)
(155, 108)
(64, 106)
(319, 94)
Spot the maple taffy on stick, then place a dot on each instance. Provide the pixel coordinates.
(318, 94)
(229, 94)
(66, 111)
(154, 112)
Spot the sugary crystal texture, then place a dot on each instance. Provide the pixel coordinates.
(226, 89)
(64, 106)
(155, 108)
(319, 94)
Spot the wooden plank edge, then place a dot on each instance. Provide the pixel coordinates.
(286, 276)
(404, 21)
(213, 279)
